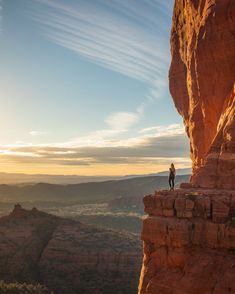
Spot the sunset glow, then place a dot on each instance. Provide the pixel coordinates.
(87, 92)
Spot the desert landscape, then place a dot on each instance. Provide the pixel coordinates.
(97, 193)
(40, 237)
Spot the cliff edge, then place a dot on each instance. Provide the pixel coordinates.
(189, 242)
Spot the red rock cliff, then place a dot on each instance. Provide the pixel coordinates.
(202, 76)
(66, 256)
(189, 243)
(189, 234)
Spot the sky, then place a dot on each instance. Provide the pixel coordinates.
(84, 88)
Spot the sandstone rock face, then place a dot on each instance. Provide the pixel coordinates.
(189, 242)
(202, 76)
(189, 234)
(67, 256)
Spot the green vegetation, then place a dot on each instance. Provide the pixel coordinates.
(17, 288)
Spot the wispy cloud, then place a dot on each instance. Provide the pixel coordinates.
(124, 36)
(155, 145)
(167, 130)
(37, 133)
(122, 120)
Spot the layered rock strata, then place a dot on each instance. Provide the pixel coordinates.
(189, 242)
(67, 256)
(202, 76)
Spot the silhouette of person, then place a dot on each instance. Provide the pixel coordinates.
(172, 176)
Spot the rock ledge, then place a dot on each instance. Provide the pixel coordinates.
(189, 242)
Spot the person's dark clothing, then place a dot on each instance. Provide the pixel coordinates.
(172, 178)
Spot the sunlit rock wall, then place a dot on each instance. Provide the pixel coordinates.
(202, 76)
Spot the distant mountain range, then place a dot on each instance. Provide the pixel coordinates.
(179, 172)
(84, 193)
(24, 179)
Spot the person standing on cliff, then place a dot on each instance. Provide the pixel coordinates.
(172, 176)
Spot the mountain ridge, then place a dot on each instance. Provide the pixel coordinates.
(26, 179)
(86, 192)
(66, 255)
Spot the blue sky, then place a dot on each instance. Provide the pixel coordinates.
(79, 77)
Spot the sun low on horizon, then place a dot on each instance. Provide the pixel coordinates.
(84, 88)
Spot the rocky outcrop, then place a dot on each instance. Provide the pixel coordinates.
(202, 85)
(189, 234)
(67, 256)
(189, 242)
